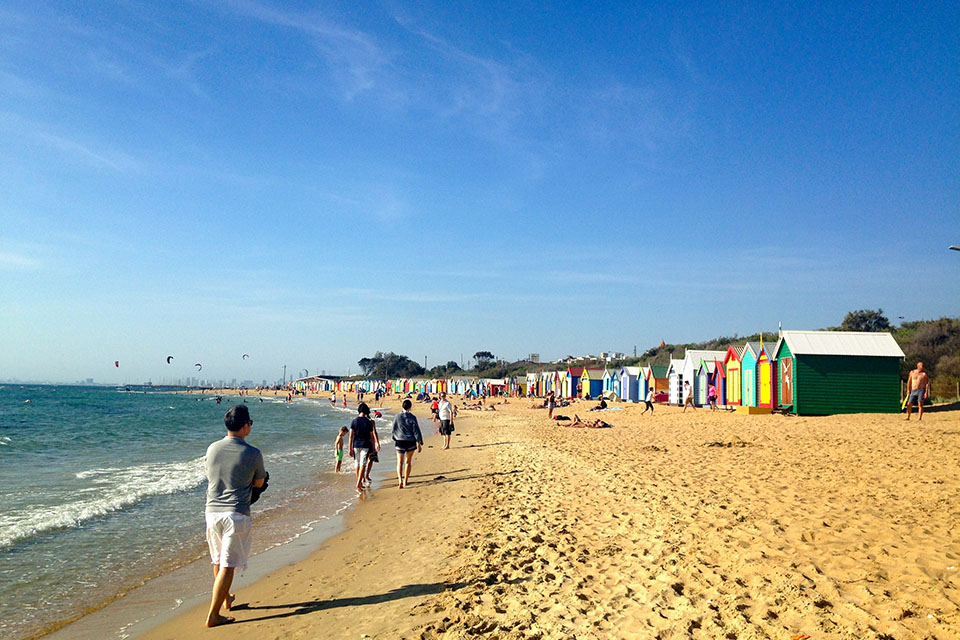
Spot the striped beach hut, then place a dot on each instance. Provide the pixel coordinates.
(733, 386)
(570, 381)
(560, 383)
(591, 383)
(659, 381)
(532, 380)
(831, 372)
(546, 382)
(720, 381)
(706, 375)
(748, 373)
(675, 381)
(610, 380)
(766, 378)
(629, 384)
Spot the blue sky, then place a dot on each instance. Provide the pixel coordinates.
(309, 183)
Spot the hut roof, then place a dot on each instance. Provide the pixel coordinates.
(841, 343)
(753, 346)
(632, 371)
(659, 370)
(696, 355)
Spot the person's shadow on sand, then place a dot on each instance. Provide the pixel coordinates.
(312, 606)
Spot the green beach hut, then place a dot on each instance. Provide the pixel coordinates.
(830, 372)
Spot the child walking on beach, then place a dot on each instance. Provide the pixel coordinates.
(338, 455)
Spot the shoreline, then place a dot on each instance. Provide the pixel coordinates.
(288, 535)
(677, 525)
(353, 568)
(171, 591)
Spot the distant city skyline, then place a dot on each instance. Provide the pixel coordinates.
(311, 184)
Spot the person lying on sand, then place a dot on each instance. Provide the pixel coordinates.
(594, 424)
(600, 407)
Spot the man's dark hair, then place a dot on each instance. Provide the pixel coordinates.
(406, 405)
(237, 417)
(363, 409)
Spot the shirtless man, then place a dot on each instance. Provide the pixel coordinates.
(918, 384)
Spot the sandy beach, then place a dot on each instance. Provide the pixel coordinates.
(696, 524)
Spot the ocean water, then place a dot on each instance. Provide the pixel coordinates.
(103, 489)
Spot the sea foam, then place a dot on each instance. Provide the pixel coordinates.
(116, 489)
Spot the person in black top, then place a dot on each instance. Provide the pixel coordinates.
(363, 440)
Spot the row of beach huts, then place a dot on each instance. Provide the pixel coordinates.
(804, 373)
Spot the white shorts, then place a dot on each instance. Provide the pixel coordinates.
(228, 537)
(361, 457)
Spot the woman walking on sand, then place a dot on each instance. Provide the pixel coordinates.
(407, 439)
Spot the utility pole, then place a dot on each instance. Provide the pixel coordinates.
(424, 363)
(634, 351)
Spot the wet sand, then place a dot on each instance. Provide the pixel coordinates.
(696, 524)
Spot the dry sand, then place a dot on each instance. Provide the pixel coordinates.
(703, 525)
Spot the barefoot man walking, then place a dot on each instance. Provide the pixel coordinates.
(234, 471)
(918, 384)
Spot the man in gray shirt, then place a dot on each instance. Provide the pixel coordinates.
(234, 471)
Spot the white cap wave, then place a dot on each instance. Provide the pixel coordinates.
(113, 489)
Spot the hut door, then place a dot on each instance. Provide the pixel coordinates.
(786, 381)
(765, 382)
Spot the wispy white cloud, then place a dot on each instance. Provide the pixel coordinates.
(185, 69)
(355, 56)
(17, 261)
(382, 201)
(98, 156)
(88, 151)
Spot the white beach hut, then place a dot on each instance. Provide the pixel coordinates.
(675, 381)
